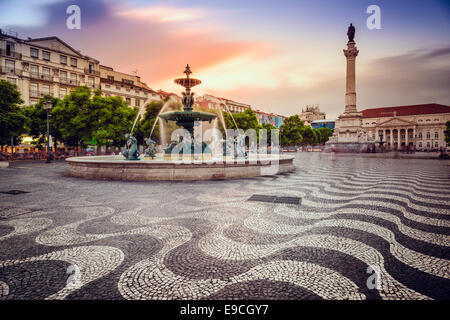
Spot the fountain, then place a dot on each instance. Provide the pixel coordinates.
(199, 164)
(187, 118)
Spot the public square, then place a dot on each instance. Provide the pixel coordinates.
(359, 217)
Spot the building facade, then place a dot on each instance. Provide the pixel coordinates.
(420, 125)
(330, 124)
(130, 87)
(45, 66)
(265, 117)
(208, 101)
(310, 114)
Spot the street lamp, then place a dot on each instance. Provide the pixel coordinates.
(48, 105)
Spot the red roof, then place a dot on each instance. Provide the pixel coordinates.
(431, 108)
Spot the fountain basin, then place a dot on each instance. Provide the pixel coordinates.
(116, 168)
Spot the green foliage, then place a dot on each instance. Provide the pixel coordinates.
(447, 132)
(73, 117)
(292, 131)
(12, 117)
(309, 136)
(323, 134)
(144, 127)
(37, 121)
(113, 119)
(244, 120)
(268, 127)
(81, 118)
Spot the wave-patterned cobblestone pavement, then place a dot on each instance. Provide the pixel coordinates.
(366, 228)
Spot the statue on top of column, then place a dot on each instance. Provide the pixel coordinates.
(351, 33)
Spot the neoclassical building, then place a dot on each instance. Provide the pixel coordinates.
(421, 125)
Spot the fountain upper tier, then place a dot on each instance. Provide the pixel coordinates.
(187, 117)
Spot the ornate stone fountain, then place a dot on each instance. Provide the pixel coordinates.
(188, 116)
(150, 167)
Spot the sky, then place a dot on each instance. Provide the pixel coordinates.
(277, 56)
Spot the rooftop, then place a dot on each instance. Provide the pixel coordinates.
(430, 108)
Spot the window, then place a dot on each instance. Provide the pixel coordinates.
(45, 89)
(128, 101)
(34, 71)
(34, 53)
(73, 62)
(428, 135)
(46, 55)
(436, 145)
(63, 59)
(9, 49)
(420, 135)
(34, 90)
(45, 73)
(12, 80)
(428, 144)
(62, 92)
(127, 81)
(107, 86)
(73, 78)
(91, 68)
(10, 66)
(118, 88)
(63, 76)
(91, 82)
(111, 78)
(137, 103)
(420, 144)
(436, 135)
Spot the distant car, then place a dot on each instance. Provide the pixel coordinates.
(90, 151)
(290, 149)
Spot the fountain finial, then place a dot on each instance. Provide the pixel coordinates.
(187, 71)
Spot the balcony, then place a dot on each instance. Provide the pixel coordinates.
(11, 54)
(41, 76)
(93, 85)
(92, 72)
(39, 94)
(71, 82)
(8, 70)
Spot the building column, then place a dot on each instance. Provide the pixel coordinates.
(391, 131)
(350, 93)
(406, 137)
(398, 139)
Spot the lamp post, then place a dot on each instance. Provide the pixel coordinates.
(47, 107)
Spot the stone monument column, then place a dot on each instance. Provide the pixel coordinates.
(350, 93)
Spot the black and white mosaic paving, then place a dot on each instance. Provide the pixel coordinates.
(365, 228)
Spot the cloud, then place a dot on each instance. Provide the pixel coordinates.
(165, 13)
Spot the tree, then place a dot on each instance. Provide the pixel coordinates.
(37, 122)
(268, 127)
(447, 132)
(74, 118)
(145, 125)
(114, 119)
(323, 134)
(12, 117)
(309, 136)
(244, 120)
(292, 131)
